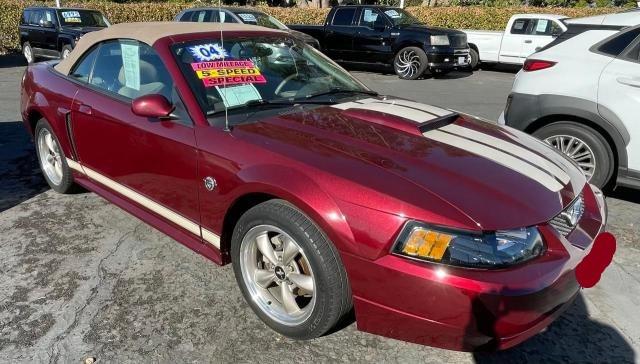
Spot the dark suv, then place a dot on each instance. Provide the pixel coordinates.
(53, 32)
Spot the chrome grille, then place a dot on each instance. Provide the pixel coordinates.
(458, 40)
(567, 220)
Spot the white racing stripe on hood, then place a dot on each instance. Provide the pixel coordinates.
(498, 156)
(511, 148)
(413, 111)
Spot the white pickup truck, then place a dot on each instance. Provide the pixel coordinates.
(524, 35)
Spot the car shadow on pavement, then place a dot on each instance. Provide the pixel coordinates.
(12, 60)
(623, 193)
(573, 338)
(20, 177)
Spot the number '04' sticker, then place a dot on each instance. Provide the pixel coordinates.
(208, 52)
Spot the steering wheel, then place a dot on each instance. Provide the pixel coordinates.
(284, 82)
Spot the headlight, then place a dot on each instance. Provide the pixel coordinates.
(440, 40)
(490, 250)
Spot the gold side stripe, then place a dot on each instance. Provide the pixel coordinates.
(168, 214)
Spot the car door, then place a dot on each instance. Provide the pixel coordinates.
(36, 33)
(49, 32)
(151, 162)
(339, 34)
(619, 90)
(541, 32)
(373, 36)
(513, 41)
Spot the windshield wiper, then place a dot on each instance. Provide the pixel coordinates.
(335, 91)
(266, 103)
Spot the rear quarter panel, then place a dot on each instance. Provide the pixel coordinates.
(47, 94)
(487, 43)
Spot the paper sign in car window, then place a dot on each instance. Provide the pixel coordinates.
(70, 14)
(207, 52)
(220, 73)
(131, 65)
(392, 14)
(370, 16)
(249, 18)
(542, 26)
(222, 15)
(238, 94)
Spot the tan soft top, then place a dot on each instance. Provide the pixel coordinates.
(148, 32)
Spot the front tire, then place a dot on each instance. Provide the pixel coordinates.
(288, 271)
(475, 59)
(66, 50)
(410, 63)
(584, 145)
(27, 52)
(52, 160)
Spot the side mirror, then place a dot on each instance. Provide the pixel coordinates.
(152, 106)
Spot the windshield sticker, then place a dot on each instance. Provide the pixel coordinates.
(228, 72)
(392, 14)
(71, 14)
(248, 18)
(131, 65)
(208, 52)
(238, 95)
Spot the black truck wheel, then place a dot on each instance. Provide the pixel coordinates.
(410, 63)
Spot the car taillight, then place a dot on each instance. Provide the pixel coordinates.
(536, 65)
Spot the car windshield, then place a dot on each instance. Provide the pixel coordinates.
(400, 17)
(261, 19)
(81, 18)
(240, 73)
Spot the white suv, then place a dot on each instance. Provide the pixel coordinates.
(583, 97)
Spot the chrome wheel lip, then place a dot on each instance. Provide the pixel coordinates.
(265, 299)
(407, 64)
(65, 53)
(577, 150)
(50, 156)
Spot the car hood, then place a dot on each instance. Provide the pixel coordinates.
(413, 159)
(431, 30)
(302, 36)
(80, 30)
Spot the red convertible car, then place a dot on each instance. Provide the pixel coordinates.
(249, 147)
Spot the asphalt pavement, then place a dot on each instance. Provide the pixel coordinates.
(81, 278)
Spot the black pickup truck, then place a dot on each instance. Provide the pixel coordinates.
(391, 36)
(53, 32)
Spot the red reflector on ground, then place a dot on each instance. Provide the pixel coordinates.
(590, 269)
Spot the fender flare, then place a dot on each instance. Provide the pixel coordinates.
(301, 191)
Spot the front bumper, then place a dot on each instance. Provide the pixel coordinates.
(473, 309)
(446, 58)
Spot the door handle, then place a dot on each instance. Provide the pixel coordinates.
(528, 41)
(629, 81)
(82, 108)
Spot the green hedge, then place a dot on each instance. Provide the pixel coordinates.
(470, 17)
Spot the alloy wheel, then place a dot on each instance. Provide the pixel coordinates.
(65, 53)
(28, 53)
(577, 150)
(277, 274)
(50, 156)
(407, 63)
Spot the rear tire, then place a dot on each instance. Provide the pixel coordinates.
(52, 160)
(265, 272)
(410, 63)
(27, 52)
(584, 145)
